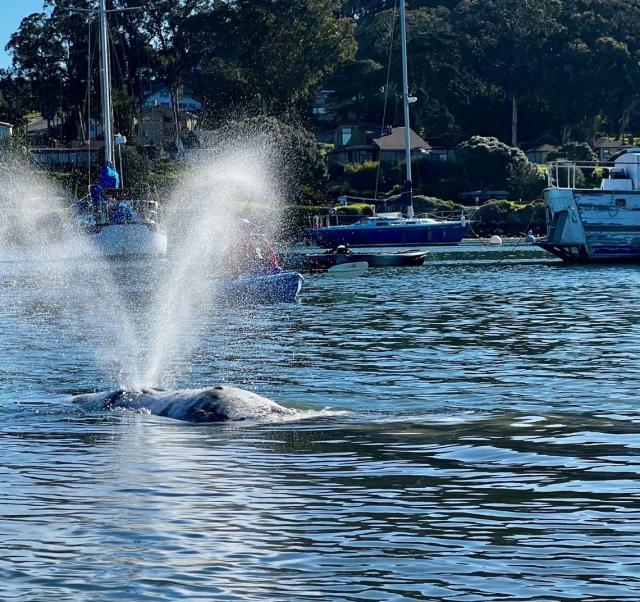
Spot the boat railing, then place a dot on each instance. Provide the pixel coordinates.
(568, 174)
(450, 216)
(334, 218)
(148, 210)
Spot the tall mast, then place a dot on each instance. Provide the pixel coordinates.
(107, 124)
(405, 101)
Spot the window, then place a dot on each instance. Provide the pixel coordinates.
(345, 136)
(621, 202)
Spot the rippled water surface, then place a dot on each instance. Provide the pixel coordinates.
(490, 449)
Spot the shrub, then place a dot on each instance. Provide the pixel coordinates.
(509, 218)
(526, 182)
(573, 151)
(360, 209)
(489, 163)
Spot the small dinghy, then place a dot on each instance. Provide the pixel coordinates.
(258, 289)
(384, 260)
(349, 270)
(318, 262)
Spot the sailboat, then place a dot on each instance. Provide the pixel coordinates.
(383, 230)
(117, 223)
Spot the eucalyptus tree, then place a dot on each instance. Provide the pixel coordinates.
(15, 97)
(508, 43)
(269, 55)
(594, 73)
(437, 73)
(357, 91)
(41, 56)
(56, 51)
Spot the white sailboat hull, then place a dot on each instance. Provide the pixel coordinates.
(125, 240)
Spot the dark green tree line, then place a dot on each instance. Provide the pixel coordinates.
(523, 71)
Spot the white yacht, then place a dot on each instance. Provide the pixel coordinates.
(586, 225)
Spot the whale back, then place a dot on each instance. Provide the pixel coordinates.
(216, 404)
(211, 404)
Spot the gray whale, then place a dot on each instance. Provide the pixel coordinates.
(212, 404)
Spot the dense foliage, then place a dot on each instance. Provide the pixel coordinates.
(518, 71)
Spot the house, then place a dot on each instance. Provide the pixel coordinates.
(605, 148)
(156, 127)
(321, 109)
(354, 144)
(391, 146)
(361, 143)
(441, 154)
(159, 95)
(540, 153)
(6, 130)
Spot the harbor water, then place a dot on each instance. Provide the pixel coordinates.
(477, 439)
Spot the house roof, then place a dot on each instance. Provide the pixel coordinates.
(5, 124)
(543, 148)
(394, 141)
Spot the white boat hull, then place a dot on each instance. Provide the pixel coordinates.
(126, 240)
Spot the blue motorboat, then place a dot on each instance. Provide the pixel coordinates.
(391, 232)
(258, 289)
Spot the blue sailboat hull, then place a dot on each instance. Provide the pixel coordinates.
(261, 289)
(441, 233)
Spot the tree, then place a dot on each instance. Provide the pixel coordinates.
(15, 97)
(506, 41)
(573, 151)
(359, 103)
(276, 53)
(38, 56)
(437, 74)
(592, 71)
(51, 51)
(166, 24)
(525, 182)
(294, 153)
(488, 163)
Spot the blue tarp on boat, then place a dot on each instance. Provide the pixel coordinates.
(124, 214)
(282, 287)
(108, 178)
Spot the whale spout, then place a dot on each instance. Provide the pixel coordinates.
(211, 404)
